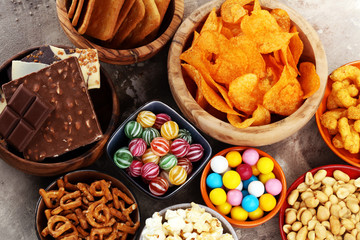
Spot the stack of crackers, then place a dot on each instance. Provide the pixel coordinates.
(121, 24)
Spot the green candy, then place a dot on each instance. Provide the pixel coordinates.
(167, 162)
(186, 135)
(123, 157)
(133, 130)
(149, 134)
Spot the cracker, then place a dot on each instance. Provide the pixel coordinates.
(72, 8)
(85, 16)
(122, 15)
(77, 13)
(103, 18)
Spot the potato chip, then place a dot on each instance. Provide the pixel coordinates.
(309, 80)
(200, 99)
(236, 121)
(285, 97)
(257, 6)
(296, 45)
(234, 28)
(273, 67)
(232, 10)
(261, 116)
(227, 32)
(282, 18)
(211, 23)
(287, 59)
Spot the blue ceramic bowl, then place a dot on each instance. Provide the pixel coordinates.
(119, 139)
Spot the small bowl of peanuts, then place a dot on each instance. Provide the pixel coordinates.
(323, 203)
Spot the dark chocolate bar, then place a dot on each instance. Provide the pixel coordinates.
(43, 55)
(23, 117)
(73, 123)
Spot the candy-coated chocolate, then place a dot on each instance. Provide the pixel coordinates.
(214, 180)
(245, 171)
(234, 197)
(146, 119)
(217, 196)
(160, 146)
(196, 152)
(137, 147)
(123, 157)
(250, 156)
(169, 130)
(149, 171)
(134, 169)
(273, 186)
(167, 162)
(239, 214)
(186, 135)
(267, 202)
(265, 177)
(247, 182)
(250, 203)
(233, 158)
(257, 214)
(256, 188)
(165, 174)
(231, 179)
(177, 175)
(219, 164)
(255, 171)
(158, 186)
(133, 129)
(149, 134)
(186, 164)
(265, 165)
(240, 186)
(161, 118)
(149, 156)
(180, 147)
(224, 208)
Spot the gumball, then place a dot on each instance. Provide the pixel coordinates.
(165, 174)
(217, 196)
(185, 134)
(177, 175)
(245, 193)
(267, 202)
(240, 186)
(160, 146)
(219, 164)
(180, 147)
(224, 208)
(265, 177)
(161, 118)
(169, 130)
(214, 180)
(149, 171)
(247, 182)
(146, 119)
(123, 157)
(186, 164)
(255, 171)
(265, 165)
(158, 186)
(137, 147)
(250, 156)
(250, 203)
(134, 169)
(149, 134)
(273, 186)
(233, 158)
(167, 162)
(133, 130)
(231, 179)
(234, 197)
(196, 152)
(256, 188)
(245, 171)
(238, 213)
(257, 214)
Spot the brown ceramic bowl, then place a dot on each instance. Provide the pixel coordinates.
(172, 20)
(83, 176)
(353, 159)
(106, 106)
(183, 89)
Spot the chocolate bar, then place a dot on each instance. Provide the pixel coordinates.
(23, 117)
(73, 123)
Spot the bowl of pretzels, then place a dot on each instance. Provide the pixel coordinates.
(87, 204)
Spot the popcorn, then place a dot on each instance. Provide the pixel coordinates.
(153, 228)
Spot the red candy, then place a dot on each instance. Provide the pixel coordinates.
(245, 171)
(158, 186)
(150, 171)
(161, 118)
(186, 164)
(160, 146)
(180, 147)
(137, 147)
(195, 153)
(134, 169)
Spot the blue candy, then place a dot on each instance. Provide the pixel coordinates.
(250, 203)
(214, 180)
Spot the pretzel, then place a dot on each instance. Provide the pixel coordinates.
(82, 219)
(82, 232)
(47, 213)
(69, 186)
(50, 196)
(73, 218)
(125, 228)
(100, 232)
(117, 214)
(65, 204)
(117, 193)
(53, 221)
(104, 189)
(127, 211)
(84, 188)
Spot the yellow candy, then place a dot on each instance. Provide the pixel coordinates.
(238, 213)
(265, 177)
(234, 158)
(169, 130)
(149, 156)
(267, 202)
(217, 196)
(257, 214)
(177, 175)
(265, 165)
(231, 179)
(255, 171)
(224, 208)
(146, 119)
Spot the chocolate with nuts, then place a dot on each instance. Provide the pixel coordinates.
(73, 123)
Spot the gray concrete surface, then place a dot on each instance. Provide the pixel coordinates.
(28, 23)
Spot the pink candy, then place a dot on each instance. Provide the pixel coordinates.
(134, 169)
(150, 171)
(250, 156)
(234, 197)
(195, 153)
(180, 147)
(161, 118)
(137, 147)
(273, 186)
(158, 186)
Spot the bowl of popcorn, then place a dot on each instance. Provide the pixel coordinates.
(124, 32)
(338, 116)
(250, 77)
(323, 203)
(187, 221)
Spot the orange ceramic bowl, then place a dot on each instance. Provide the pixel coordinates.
(279, 174)
(353, 159)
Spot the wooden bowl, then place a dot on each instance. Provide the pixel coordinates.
(353, 159)
(353, 172)
(83, 176)
(279, 174)
(223, 131)
(171, 22)
(107, 109)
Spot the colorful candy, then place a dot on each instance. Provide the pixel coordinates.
(177, 175)
(167, 162)
(250, 156)
(158, 186)
(267, 202)
(186, 164)
(186, 135)
(247, 182)
(234, 197)
(180, 147)
(219, 164)
(224, 208)
(196, 152)
(134, 169)
(257, 214)
(256, 188)
(233, 158)
(133, 130)
(265, 177)
(239, 214)
(149, 171)
(161, 118)
(245, 171)
(165, 174)
(137, 147)
(265, 165)
(146, 119)
(250, 203)
(149, 156)
(149, 134)
(160, 146)
(273, 186)
(123, 157)
(231, 179)
(217, 196)
(169, 130)
(214, 180)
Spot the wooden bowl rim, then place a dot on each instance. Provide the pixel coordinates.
(253, 223)
(100, 144)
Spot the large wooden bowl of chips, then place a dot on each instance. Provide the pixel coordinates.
(117, 55)
(107, 109)
(214, 123)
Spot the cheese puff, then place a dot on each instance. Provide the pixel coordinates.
(349, 136)
(336, 86)
(345, 99)
(332, 102)
(344, 129)
(329, 119)
(353, 91)
(333, 131)
(357, 126)
(355, 144)
(347, 72)
(337, 141)
(353, 112)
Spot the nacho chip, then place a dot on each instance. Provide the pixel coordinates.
(309, 80)
(296, 45)
(211, 23)
(282, 18)
(236, 121)
(261, 116)
(232, 10)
